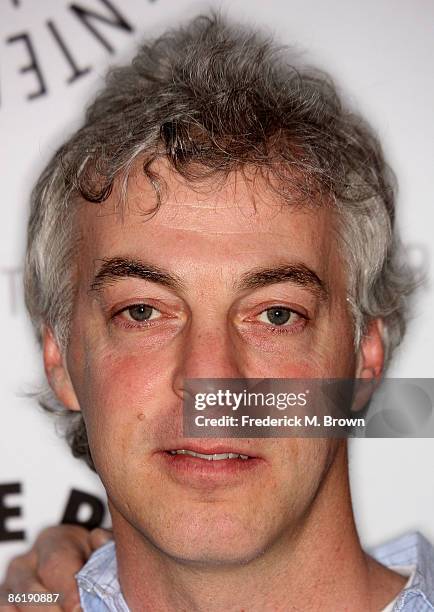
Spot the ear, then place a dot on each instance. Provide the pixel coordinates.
(57, 373)
(370, 363)
(370, 360)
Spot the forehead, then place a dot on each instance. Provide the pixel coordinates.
(238, 221)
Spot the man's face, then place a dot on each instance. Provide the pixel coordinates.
(218, 257)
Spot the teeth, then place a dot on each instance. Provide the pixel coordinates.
(213, 457)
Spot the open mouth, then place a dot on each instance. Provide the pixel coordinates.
(209, 456)
(209, 464)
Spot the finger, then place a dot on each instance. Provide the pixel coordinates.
(4, 605)
(61, 553)
(34, 608)
(99, 537)
(20, 580)
(21, 574)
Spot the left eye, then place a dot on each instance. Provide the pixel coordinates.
(141, 312)
(278, 315)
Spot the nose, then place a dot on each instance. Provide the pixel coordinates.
(207, 353)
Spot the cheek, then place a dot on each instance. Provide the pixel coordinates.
(119, 393)
(323, 350)
(299, 467)
(333, 354)
(124, 404)
(280, 366)
(340, 361)
(328, 358)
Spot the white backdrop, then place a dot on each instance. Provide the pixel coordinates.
(53, 55)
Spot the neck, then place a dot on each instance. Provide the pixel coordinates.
(319, 564)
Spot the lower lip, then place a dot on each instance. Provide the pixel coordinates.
(194, 470)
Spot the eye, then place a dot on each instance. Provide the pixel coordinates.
(140, 312)
(279, 316)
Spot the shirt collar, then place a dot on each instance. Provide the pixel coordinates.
(98, 577)
(410, 549)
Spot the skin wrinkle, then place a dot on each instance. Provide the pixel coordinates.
(278, 122)
(233, 533)
(118, 268)
(296, 273)
(219, 117)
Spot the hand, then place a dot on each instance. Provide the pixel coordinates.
(51, 564)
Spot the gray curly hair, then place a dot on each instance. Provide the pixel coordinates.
(212, 98)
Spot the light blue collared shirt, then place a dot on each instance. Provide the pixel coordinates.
(100, 591)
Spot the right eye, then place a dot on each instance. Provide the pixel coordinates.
(140, 313)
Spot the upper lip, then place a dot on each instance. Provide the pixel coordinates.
(210, 449)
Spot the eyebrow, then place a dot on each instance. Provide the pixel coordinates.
(299, 274)
(117, 268)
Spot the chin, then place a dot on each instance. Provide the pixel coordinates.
(216, 541)
(214, 553)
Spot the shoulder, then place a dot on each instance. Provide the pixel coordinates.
(411, 550)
